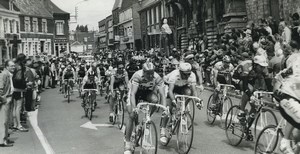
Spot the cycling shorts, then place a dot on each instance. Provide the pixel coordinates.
(182, 90)
(90, 86)
(224, 79)
(119, 85)
(146, 95)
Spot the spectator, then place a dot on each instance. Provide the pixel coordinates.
(286, 32)
(19, 85)
(6, 91)
(46, 75)
(30, 79)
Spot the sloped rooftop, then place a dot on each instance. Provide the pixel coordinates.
(53, 8)
(33, 8)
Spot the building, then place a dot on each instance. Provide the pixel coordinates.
(109, 32)
(115, 16)
(61, 28)
(101, 37)
(152, 13)
(9, 30)
(36, 28)
(84, 41)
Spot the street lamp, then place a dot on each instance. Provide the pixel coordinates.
(76, 8)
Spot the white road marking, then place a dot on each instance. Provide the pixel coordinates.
(34, 123)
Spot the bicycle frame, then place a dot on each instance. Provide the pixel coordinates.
(182, 99)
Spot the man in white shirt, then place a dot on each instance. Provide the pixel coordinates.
(286, 32)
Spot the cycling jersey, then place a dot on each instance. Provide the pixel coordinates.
(68, 73)
(219, 66)
(81, 72)
(175, 78)
(139, 80)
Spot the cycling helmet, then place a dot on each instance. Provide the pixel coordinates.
(148, 66)
(226, 59)
(185, 67)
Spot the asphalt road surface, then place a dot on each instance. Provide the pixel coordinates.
(61, 128)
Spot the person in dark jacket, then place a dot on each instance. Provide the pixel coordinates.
(19, 84)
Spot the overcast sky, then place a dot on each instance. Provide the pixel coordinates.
(89, 12)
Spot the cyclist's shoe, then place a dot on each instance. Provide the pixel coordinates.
(285, 147)
(242, 117)
(163, 137)
(199, 105)
(127, 148)
(249, 136)
(213, 107)
(111, 117)
(65, 95)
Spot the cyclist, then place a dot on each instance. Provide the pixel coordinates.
(289, 97)
(81, 70)
(255, 81)
(221, 74)
(68, 73)
(119, 75)
(180, 81)
(60, 72)
(144, 85)
(89, 82)
(196, 68)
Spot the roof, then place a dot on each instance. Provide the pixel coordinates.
(102, 22)
(118, 4)
(2, 7)
(55, 9)
(33, 8)
(148, 4)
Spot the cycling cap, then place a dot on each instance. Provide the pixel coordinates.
(185, 67)
(148, 66)
(226, 59)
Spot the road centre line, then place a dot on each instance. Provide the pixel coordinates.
(34, 123)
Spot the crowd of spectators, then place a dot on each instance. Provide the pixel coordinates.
(21, 82)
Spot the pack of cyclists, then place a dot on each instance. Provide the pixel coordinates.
(157, 79)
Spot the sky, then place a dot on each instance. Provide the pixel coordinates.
(90, 12)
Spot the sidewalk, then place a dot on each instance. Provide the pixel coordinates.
(25, 142)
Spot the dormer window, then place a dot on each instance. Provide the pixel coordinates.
(11, 5)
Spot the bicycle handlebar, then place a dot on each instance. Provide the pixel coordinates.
(85, 90)
(186, 96)
(226, 85)
(151, 104)
(255, 93)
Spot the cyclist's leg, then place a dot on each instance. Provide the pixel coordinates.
(129, 127)
(112, 101)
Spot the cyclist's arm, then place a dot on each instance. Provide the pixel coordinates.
(215, 74)
(74, 74)
(84, 80)
(126, 78)
(171, 93)
(133, 91)
(112, 81)
(194, 90)
(161, 91)
(63, 75)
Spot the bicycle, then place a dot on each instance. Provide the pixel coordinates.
(222, 105)
(89, 102)
(181, 124)
(119, 107)
(68, 88)
(145, 132)
(269, 143)
(234, 125)
(79, 83)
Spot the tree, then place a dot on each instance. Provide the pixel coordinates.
(77, 28)
(86, 28)
(81, 28)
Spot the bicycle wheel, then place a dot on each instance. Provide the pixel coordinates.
(233, 128)
(211, 116)
(120, 114)
(185, 134)
(267, 140)
(68, 94)
(264, 118)
(226, 105)
(190, 106)
(90, 109)
(149, 139)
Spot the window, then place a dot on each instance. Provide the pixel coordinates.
(17, 27)
(11, 26)
(27, 24)
(59, 27)
(35, 25)
(5, 26)
(44, 26)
